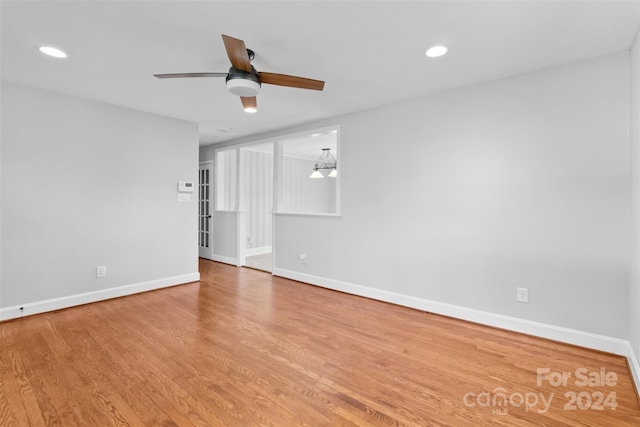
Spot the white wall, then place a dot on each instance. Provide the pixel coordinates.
(520, 182)
(87, 184)
(634, 294)
(224, 236)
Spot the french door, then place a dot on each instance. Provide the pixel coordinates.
(205, 209)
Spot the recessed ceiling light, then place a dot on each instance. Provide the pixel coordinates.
(52, 51)
(435, 51)
(251, 110)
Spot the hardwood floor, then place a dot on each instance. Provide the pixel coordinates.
(243, 348)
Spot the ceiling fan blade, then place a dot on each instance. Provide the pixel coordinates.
(180, 75)
(291, 81)
(249, 102)
(237, 53)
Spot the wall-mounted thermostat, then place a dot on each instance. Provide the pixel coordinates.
(185, 187)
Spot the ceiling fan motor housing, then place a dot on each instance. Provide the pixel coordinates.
(244, 84)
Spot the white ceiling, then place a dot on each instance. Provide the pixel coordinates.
(370, 53)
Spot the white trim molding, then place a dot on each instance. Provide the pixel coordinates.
(634, 367)
(557, 333)
(44, 306)
(225, 259)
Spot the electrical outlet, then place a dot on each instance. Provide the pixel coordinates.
(303, 259)
(522, 295)
(101, 271)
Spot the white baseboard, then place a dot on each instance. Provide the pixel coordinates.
(634, 366)
(89, 297)
(258, 251)
(225, 259)
(557, 333)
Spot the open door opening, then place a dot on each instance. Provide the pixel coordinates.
(258, 200)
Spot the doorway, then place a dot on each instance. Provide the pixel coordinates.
(257, 193)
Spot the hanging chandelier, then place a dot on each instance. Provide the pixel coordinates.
(326, 161)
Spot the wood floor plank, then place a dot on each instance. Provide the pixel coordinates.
(244, 348)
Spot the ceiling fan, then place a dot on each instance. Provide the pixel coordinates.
(243, 80)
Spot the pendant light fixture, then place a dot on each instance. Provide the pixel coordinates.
(326, 161)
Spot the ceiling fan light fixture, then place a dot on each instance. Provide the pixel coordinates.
(436, 51)
(52, 51)
(243, 87)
